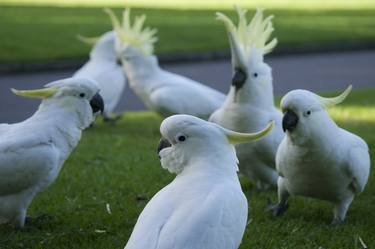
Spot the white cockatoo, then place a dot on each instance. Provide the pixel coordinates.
(105, 68)
(32, 152)
(250, 102)
(204, 206)
(161, 91)
(317, 158)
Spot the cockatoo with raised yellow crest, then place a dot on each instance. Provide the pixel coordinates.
(249, 104)
(105, 68)
(161, 91)
(204, 206)
(317, 158)
(32, 152)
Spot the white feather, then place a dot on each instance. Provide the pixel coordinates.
(203, 207)
(32, 152)
(104, 69)
(319, 159)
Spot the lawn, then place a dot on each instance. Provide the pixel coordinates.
(40, 33)
(117, 166)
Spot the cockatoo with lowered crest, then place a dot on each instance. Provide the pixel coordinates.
(317, 158)
(105, 68)
(32, 152)
(204, 206)
(161, 91)
(250, 102)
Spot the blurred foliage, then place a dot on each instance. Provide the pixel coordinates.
(38, 33)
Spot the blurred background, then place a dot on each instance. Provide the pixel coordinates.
(323, 45)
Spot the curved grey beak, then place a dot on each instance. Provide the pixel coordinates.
(97, 103)
(239, 78)
(163, 143)
(290, 120)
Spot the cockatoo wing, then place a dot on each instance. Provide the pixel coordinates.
(25, 163)
(358, 165)
(216, 223)
(110, 78)
(179, 95)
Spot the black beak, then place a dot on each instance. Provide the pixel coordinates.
(163, 143)
(239, 78)
(97, 103)
(290, 120)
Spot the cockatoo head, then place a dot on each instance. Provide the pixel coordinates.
(305, 113)
(134, 44)
(78, 98)
(103, 46)
(252, 77)
(187, 140)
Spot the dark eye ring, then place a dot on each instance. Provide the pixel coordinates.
(308, 112)
(255, 75)
(181, 138)
(82, 95)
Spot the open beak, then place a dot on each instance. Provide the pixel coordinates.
(97, 103)
(43, 93)
(163, 143)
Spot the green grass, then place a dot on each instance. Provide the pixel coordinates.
(42, 33)
(118, 165)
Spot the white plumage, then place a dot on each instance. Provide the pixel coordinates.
(249, 105)
(317, 158)
(203, 207)
(161, 91)
(105, 68)
(32, 152)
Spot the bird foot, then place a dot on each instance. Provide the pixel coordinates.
(113, 119)
(337, 222)
(277, 209)
(38, 219)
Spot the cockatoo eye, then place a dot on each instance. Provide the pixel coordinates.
(181, 138)
(255, 75)
(82, 95)
(307, 113)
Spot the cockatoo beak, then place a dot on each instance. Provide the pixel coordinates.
(97, 103)
(237, 138)
(328, 102)
(43, 93)
(163, 143)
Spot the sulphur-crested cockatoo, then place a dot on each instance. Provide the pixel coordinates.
(32, 152)
(161, 91)
(105, 68)
(249, 105)
(317, 158)
(204, 206)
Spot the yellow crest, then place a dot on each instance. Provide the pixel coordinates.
(246, 35)
(133, 35)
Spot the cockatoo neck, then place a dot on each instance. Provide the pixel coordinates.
(100, 53)
(140, 67)
(317, 133)
(256, 96)
(66, 110)
(220, 161)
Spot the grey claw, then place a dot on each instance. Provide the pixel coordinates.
(337, 222)
(277, 209)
